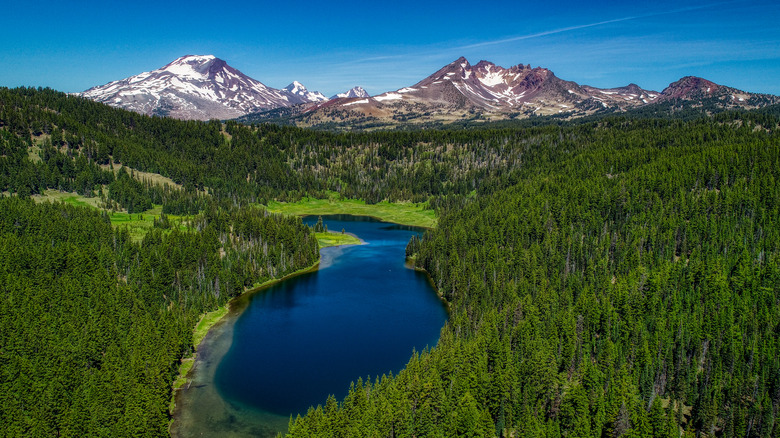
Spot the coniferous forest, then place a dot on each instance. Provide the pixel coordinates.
(612, 277)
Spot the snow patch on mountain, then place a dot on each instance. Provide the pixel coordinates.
(357, 102)
(388, 96)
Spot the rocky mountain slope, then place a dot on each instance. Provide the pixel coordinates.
(487, 92)
(205, 87)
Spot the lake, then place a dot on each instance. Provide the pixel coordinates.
(287, 347)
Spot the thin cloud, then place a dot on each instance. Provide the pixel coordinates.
(438, 49)
(600, 23)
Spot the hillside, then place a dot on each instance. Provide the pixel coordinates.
(614, 277)
(622, 286)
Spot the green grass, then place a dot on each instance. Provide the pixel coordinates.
(184, 369)
(154, 178)
(33, 153)
(181, 380)
(336, 239)
(137, 224)
(204, 325)
(405, 213)
(206, 322)
(72, 198)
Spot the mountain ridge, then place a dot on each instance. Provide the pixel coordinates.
(461, 92)
(205, 87)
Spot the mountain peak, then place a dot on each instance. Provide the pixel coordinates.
(195, 58)
(193, 61)
(296, 87)
(459, 88)
(352, 92)
(482, 64)
(195, 66)
(457, 65)
(462, 62)
(299, 92)
(690, 87)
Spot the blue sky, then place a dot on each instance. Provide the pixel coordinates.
(331, 46)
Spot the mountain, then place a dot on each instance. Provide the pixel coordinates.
(486, 87)
(353, 92)
(198, 87)
(493, 88)
(297, 89)
(460, 91)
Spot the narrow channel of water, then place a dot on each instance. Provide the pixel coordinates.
(288, 347)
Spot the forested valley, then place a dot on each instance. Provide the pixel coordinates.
(615, 277)
(623, 288)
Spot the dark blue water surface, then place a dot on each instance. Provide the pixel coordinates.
(361, 314)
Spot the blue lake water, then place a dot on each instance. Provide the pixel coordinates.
(289, 346)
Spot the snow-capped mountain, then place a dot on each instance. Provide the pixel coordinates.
(488, 87)
(485, 91)
(353, 92)
(198, 87)
(205, 87)
(297, 89)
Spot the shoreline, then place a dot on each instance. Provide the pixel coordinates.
(406, 213)
(378, 218)
(210, 319)
(409, 262)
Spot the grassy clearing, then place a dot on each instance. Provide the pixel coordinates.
(154, 178)
(33, 154)
(336, 239)
(405, 213)
(72, 198)
(137, 224)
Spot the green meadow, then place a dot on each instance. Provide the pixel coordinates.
(405, 213)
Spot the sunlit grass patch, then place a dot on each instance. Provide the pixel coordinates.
(405, 213)
(71, 198)
(137, 224)
(336, 239)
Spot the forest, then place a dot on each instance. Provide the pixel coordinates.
(93, 324)
(628, 288)
(619, 276)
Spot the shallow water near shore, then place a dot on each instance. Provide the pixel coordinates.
(289, 346)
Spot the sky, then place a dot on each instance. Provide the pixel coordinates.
(331, 46)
